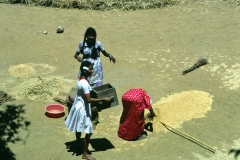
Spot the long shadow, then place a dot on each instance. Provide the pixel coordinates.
(236, 152)
(101, 144)
(98, 144)
(76, 147)
(11, 120)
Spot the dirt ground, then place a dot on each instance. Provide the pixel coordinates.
(152, 48)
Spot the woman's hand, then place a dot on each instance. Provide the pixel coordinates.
(79, 59)
(76, 56)
(106, 99)
(151, 115)
(93, 100)
(111, 58)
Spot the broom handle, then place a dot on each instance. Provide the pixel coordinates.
(188, 136)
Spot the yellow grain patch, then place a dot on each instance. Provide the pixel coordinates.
(180, 107)
(30, 69)
(22, 70)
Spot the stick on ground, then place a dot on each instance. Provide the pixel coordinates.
(191, 138)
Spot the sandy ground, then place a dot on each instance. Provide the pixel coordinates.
(152, 48)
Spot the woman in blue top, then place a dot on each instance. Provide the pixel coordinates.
(90, 50)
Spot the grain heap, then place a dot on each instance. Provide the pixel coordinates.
(30, 69)
(180, 107)
(22, 70)
(43, 88)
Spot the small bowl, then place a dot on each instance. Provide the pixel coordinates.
(55, 110)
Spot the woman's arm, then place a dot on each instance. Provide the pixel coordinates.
(111, 58)
(76, 56)
(91, 100)
(152, 114)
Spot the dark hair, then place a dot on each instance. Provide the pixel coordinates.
(84, 64)
(90, 31)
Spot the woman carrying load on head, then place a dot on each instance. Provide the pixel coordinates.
(79, 117)
(90, 50)
(132, 122)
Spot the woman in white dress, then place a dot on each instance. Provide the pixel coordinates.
(79, 118)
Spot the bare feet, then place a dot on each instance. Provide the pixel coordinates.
(142, 137)
(88, 157)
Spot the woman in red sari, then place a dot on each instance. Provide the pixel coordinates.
(132, 119)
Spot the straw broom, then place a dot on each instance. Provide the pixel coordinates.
(199, 63)
(193, 139)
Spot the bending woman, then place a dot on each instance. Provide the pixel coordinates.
(132, 119)
(79, 117)
(90, 49)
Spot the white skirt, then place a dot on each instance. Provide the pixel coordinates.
(77, 119)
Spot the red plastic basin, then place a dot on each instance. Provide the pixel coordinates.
(55, 110)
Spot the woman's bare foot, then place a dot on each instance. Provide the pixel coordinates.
(142, 137)
(88, 157)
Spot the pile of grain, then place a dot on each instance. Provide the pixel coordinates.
(43, 88)
(180, 107)
(30, 69)
(22, 70)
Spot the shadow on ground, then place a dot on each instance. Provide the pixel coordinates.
(149, 126)
(98, 144)
(236, 152)
(11, 120)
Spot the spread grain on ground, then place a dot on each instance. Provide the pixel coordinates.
(180, 107)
